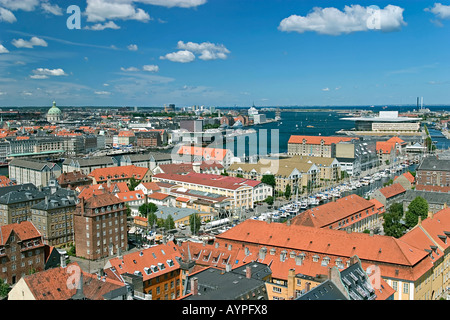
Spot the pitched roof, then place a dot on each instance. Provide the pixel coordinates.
(151, 186)
(158, 196)
(334, 242)
(385, 147)
(131, 195)
(116, 173)
(52, 284)
(215, 154)
(151, 262)
(214, 180)
(332, 212)
(392, 190)
(408, 176)
(24, 230)
(434, 164)
(397, 140)
(318, 139)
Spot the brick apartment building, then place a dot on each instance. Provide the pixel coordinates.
(433, 171)
(100, 226)
(21, 251)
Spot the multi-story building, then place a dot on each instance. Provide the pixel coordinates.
(146, 160)
(68, 283)
(126, 137)
(355, 156)
(433, 171)
(188, 153)
(29, 171)
(148, 139)
(239, 190)
(21, 251)
(15, 206)
(352, 213)
(157, 270)
(314, 146)
(86, 166)
(389, 194)
(53, 217)
(294, 171)
(436, 200)
(121, 174)
(416, 265)
(100, 226)
(74, 179)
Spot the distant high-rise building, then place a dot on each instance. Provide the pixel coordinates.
(170, 108)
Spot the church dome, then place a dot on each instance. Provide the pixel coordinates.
(54, 110)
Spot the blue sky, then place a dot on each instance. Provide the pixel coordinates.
(224, 53)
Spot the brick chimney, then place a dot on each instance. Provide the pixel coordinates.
(248, 272)
(82, 205)
(194, 286)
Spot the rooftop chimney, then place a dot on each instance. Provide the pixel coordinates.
(248, 272)
(194, 286)
(62, 260)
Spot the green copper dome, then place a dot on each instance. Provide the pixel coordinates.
(54, 110)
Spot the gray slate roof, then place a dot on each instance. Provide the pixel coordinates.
(434, 164)
(215, 284)
(430, 196)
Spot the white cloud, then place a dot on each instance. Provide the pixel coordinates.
(102, 93)
(44, 73)
(326, 89)
(25, 5)
(174, 3)
(207, 50)
(3, 49)
(7, 16)
(182, 56)
(133, 47)
(151, 68)
(100, 26)
(52, 8)
(353, 18)
(34, 41)
(440, 10)
(130, 69)
(101, 10)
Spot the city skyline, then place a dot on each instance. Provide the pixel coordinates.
(148, 53)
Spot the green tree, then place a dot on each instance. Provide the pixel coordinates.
(147, 208)
(152, 219)
(4, 288)
(287, 191)
(392, 225)
(269, 179)
(195, 223)
(269, 200)
(169, 223)
(417, 208)
(133, 183)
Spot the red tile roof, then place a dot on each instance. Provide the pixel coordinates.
(385, 147)
(218, 181)
(214, 154)
(397, 140)
(131, 195)
(117, 173)
(325, 241)
(24, 230)
(158, 196)
(146, 258)
(318, 139)
(52, 284)
(151, 186)
(332, 212)
(392, 190)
